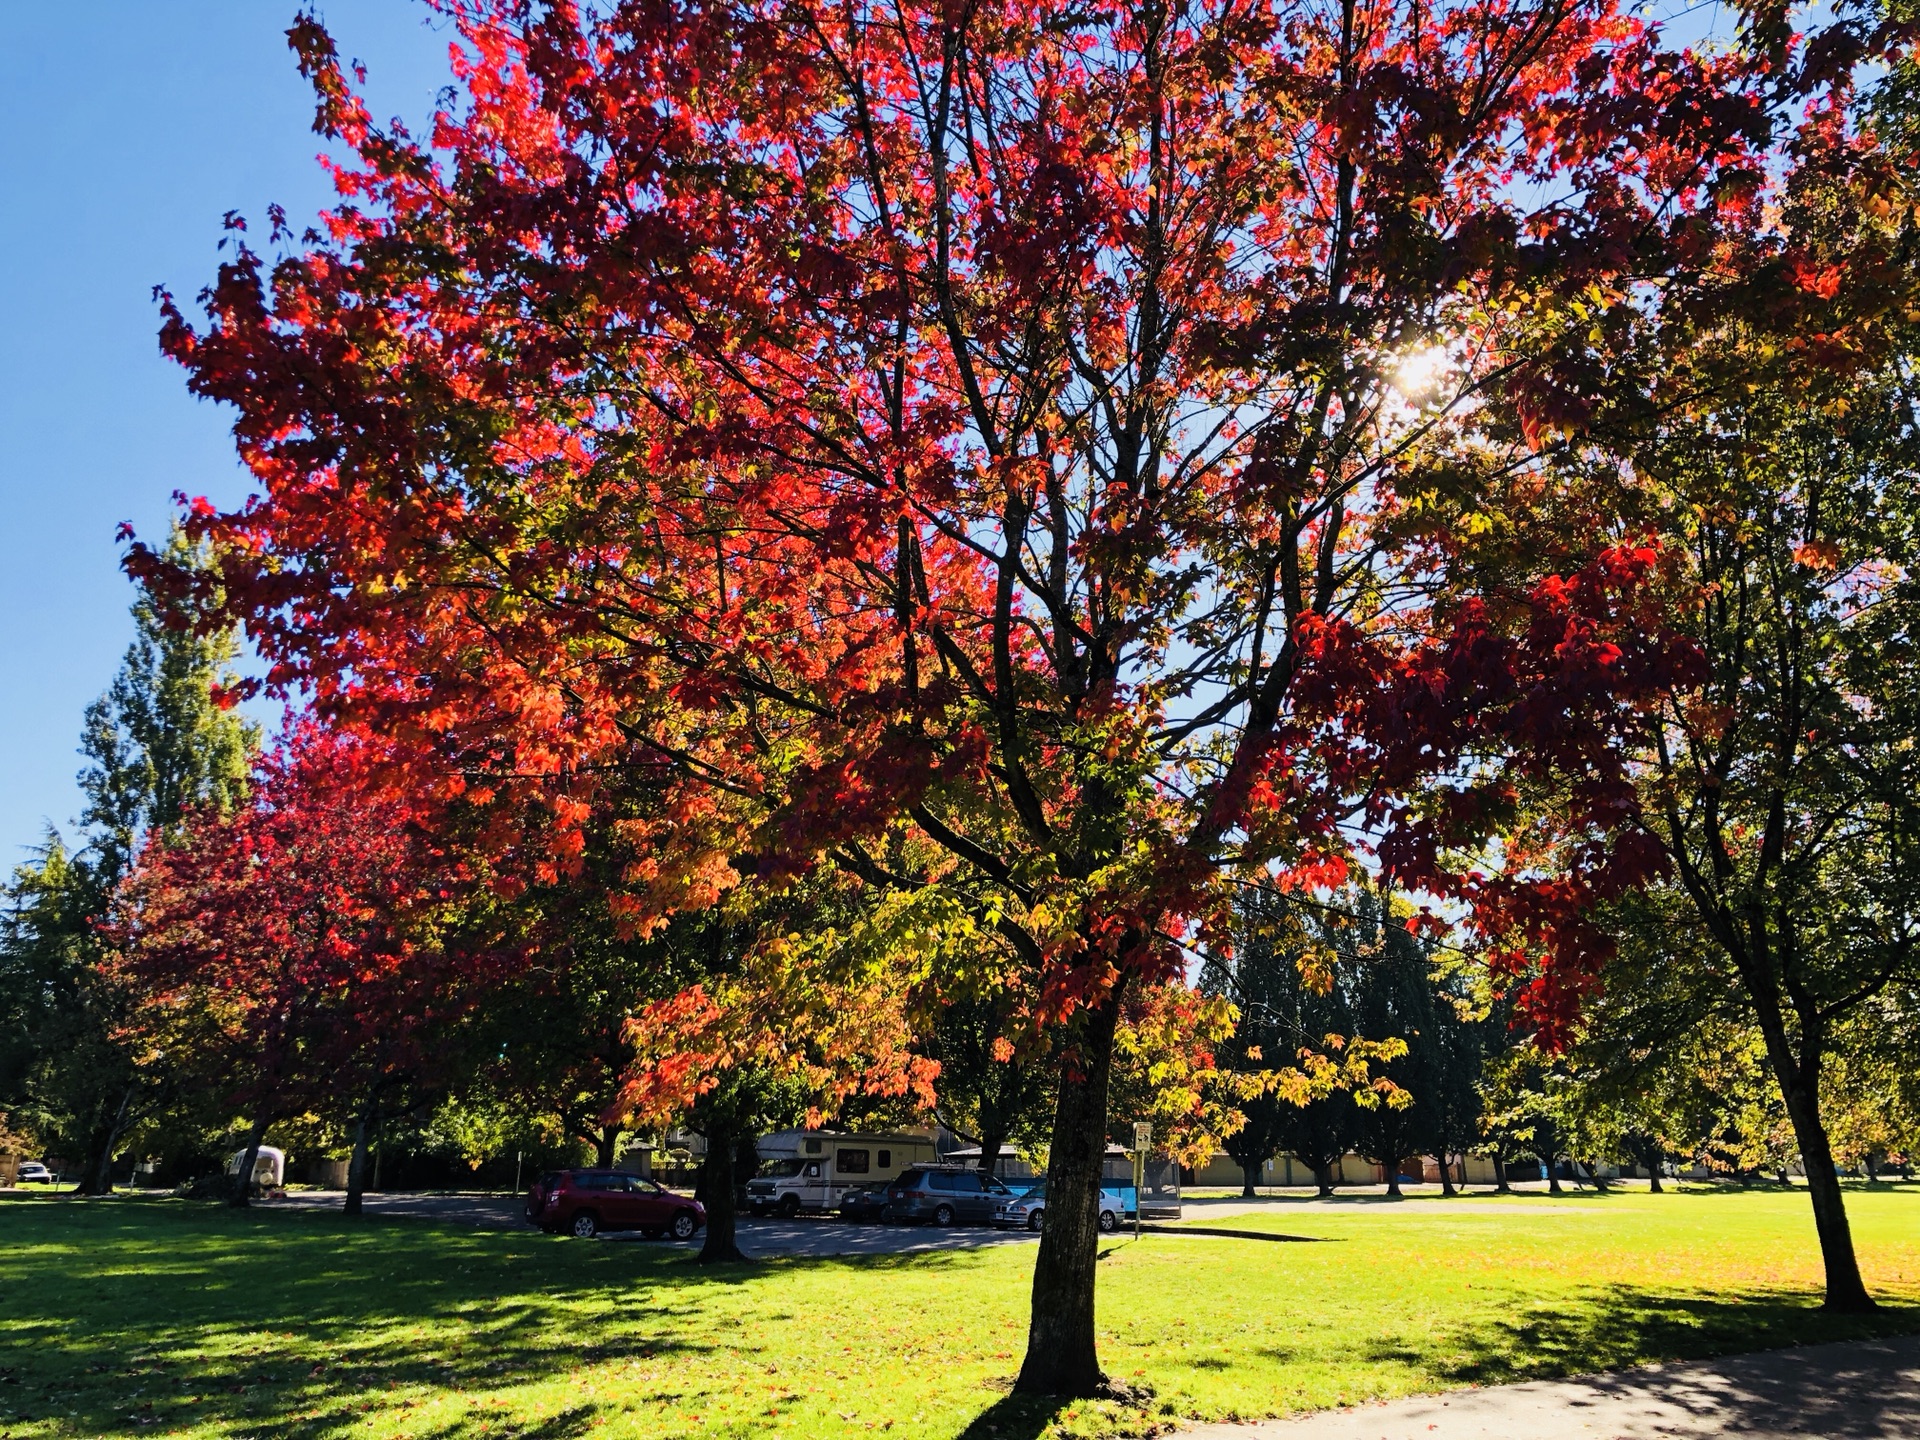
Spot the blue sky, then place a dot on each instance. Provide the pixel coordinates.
(127, 129)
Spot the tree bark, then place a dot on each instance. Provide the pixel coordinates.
(357, 1165)
(1062, 1356)
(1500, 1185)
(715, 1191)
(1323, 1177)
(1446, 1177)
(1392, 1167)
(1248, 1174)
(241, 1193)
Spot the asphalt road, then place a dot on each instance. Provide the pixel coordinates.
(1835, 1392)
(811, 1236)
(829, 1235)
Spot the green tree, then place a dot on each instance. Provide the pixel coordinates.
(1784, 788)
(995, 1085)
(1307, 1073)
(1394, 994)
(157, 742)
(162, 738)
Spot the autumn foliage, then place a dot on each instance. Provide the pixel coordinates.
(287, 954)
(1050, 459)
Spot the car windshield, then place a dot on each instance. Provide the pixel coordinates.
(778, 1169)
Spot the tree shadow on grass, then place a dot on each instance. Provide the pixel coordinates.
(129, 1315)
(1623, 1326)
(1015, 1417)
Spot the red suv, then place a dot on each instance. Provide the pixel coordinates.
(585, 1202)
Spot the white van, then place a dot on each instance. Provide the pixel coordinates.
(812, 1169)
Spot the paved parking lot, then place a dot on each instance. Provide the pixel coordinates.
(807, 1236)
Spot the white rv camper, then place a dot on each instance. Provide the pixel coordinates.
(812, 1169)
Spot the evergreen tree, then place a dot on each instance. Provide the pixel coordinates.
(1394, 995)
(1294, 977)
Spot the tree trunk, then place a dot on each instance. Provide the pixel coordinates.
(990, 1143)
(357, 1165)
(1500, 1185)
(1392, 1167)
(606, 1141)
(241, 1194)
(1593, 1174)
(97, 1177)
(1846, 1291)
(1248, 1174)
(1061, 1350)
(1446, 1177)
(1653, 1157)
(1323, 1177)
(715, 1191)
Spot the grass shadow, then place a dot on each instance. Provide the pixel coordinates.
(127, 1314)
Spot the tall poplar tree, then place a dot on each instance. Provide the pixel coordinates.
(157, 742)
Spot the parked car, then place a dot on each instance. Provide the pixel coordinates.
(585, 1202)
(866, 1202)
(944, 1195)
(32, 1172)
(1029, 1210)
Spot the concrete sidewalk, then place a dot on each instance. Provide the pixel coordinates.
(1834, 1392)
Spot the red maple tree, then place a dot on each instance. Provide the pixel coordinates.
(1046, 459)
(286, 955)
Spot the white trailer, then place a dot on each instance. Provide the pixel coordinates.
(812, 1169)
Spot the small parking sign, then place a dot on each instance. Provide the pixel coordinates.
(1142, 1136)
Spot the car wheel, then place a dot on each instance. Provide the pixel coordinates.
(1109, 1222)
(1036, 1219)
(684, 1225)
(586, 1225)
(943, 1214)
(789, 1207)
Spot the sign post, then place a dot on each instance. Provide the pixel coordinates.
(1142, 1142)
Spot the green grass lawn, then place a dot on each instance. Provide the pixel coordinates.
(164, 1317)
